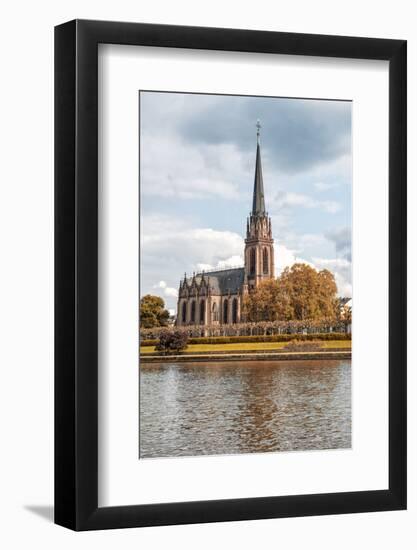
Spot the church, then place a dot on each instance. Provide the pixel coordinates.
(216, 297)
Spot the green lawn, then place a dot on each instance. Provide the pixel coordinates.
(250, 346)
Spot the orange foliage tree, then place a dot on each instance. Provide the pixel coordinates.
(300, 293)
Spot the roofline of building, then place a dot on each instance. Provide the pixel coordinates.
(217, 270)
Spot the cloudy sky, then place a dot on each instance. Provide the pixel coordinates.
(197, 162)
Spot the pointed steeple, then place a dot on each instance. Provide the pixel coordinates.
(259, 244)
(258, 205)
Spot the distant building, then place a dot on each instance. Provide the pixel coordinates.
(345, 305)
(216, 297)
(345, 302)
(172, 320)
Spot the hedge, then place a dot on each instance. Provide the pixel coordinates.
(261, 338)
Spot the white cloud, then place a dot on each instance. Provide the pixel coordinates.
(298, 135)
(169, 248)
(172, 168)
(290, 199)
(167, 291)
(308, 241)
(338, 170)
(344, 288)
(339, 263)
(283, 199)
(233, 261)
(321, 186)
(205, 267)
(188, 246)
(342, 239)
(285, 257)
(330, 206)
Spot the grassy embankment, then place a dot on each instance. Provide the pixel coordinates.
(251, 346)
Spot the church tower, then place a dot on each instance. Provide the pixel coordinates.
(259, 244)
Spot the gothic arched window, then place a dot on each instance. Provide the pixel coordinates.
(202, 312)
(225, 312)
(252, 261)
(184, 312)
(193, 312)
(215, 313)
(265, 261)
(234, 311)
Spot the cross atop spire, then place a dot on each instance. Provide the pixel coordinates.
(258, 205)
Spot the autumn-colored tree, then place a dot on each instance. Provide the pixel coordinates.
(300, 293)
(268, 302)
(328, 302)
(345, 313)
(312, 293)
(153, 312)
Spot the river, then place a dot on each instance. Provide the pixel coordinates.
(190, 409)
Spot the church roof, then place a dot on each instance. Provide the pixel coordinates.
(223, 281)
(258, 204)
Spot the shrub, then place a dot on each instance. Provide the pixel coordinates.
(297, 345)
(270, 338)
(172, 342)
(327, 336)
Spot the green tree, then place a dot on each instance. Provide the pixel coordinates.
(153, 312)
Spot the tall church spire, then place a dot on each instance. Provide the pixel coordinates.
(259, 244)
(258, 205)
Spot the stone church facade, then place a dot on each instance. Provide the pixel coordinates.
(216, 297)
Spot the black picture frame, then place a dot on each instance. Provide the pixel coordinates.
(76, 272)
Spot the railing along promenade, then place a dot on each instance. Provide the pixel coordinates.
(264, 328)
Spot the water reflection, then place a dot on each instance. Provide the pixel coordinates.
(255, 406)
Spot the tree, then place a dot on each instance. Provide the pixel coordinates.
(345, 313)
(327, 301)
(300, 293)
(299, 282)
(312, 293)
(172, 341)
(153, 312)
(268, 302)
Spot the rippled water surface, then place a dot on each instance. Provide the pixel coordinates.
(243, 407)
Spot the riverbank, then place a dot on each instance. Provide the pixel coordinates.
(252, 347)
(254, 356)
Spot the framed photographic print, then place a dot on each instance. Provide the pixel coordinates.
(230, 275)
